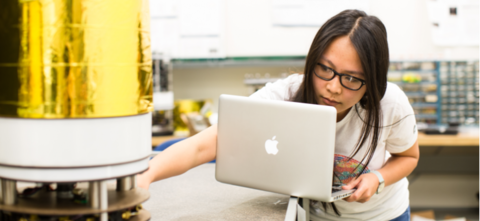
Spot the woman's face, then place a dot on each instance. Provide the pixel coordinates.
(342, 57)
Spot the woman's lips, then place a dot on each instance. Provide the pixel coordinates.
(329, 102)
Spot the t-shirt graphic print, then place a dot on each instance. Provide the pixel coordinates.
(346, 169)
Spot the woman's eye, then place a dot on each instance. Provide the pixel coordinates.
(351, 79)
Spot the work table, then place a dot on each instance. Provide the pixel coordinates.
(196, 195)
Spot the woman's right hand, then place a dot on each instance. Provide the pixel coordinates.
(193, 151)
(142, 181)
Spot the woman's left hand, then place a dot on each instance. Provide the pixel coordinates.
(366, 186)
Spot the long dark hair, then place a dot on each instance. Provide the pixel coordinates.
(369, 37)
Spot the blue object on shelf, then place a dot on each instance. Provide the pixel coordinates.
(166, 144)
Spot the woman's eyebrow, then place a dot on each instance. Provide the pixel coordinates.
(343, 72)
(328, 61)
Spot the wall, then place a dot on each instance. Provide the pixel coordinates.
(246, 28)
(249, 31)
(410, 32)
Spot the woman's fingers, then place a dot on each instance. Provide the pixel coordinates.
(351, 185)
(366, 186)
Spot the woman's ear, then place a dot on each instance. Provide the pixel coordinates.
(363, 101)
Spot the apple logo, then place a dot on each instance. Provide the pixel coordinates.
(271, 146)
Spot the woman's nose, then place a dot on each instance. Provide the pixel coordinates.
(334, 85)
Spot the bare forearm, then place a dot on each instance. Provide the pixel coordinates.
(400, 166)
(397, 168)
(173, 161)
(182, 156)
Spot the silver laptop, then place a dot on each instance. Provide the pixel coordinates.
(277, 146)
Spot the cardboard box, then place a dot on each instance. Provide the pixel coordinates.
(429, 215)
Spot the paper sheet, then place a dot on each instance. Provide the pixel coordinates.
(454, 22)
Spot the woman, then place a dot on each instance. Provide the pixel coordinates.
(376, 137)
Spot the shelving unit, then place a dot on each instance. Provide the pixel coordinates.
(440, 92)
(419, 82)
(459, 91)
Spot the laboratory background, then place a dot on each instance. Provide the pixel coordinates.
(91, 90)
(202, 49)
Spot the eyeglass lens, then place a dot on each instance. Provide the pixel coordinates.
(346, 80)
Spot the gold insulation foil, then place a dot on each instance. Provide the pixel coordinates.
(75, 58)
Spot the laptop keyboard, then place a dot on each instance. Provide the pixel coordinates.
(336, 188)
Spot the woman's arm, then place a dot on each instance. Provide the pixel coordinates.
(180, 157)
(397, 167)
(400, 165)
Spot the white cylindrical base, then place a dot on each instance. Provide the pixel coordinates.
(60, 175)
(74, 143)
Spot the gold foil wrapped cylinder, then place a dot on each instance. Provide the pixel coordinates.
(74, 58)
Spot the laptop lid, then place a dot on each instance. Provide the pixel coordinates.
(277, 146)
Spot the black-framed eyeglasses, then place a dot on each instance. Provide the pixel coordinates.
(347, 81)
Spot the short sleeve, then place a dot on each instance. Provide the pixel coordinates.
(281, 89)
(403, 133)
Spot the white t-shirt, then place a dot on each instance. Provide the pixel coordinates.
(398, 134)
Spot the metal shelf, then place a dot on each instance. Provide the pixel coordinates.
(259, 81)
(240, 62)
(419, 94)
(424, 105)
(416, 71)
(399, 83)
(426, 116)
